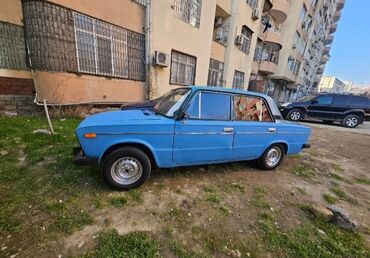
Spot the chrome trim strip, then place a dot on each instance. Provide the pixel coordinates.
(200, 133)
(130, 133)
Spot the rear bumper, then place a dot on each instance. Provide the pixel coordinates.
(306, 146)
(80, 159)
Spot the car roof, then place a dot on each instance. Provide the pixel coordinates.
(227, 90)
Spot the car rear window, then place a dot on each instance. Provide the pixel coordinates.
(341, 100)
(358, 100)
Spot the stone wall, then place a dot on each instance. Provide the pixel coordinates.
(18, 105)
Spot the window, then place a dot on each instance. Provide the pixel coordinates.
(101, 48)
(324, 100)
(252, 3)
(182, 69)
(303, 13)
(296, 67)
(188, 11)
(238, 82)
(215, 73)
(250, 109)
(210, 106)
(341, 100)
(358, 100)
(247, 38)
(258, 51)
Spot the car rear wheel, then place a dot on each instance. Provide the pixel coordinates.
(351, 121)
(295, 115)
(272, 157)
(126, 168)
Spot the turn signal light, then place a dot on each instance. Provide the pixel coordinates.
(90, 135)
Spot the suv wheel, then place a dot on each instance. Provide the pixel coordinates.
(351, 121)
(126, 168)
(295, 115)
(271, 158)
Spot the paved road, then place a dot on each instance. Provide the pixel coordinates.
(362, 129)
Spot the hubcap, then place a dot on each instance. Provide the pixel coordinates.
(295, 115)
(273, 156)
(352, 121)
(126, 170)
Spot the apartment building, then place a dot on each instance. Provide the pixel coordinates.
(74, 52)
(331, 84)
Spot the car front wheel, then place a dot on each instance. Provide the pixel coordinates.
(351, 121)
(126, 168)
(295, 115)
(272, 157)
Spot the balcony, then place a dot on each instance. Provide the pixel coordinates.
(340, 4)
(273, 40)
(267, 67)
(333, 28)
(267, 5)
(324, 59)
(329, 40)
(337, 16)
(279, 10)
(326, 50)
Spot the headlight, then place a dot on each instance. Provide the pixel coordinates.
(286, 104)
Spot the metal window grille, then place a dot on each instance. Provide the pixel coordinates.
(12, 47)
(101, 47)
(247, 38)
(258, 51)
(215, 73)
(182, 69)
(252, 3)
(142, 2)
(188, 11)
(238, 81)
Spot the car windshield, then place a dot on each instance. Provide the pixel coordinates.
(307, 98)
(171, 102)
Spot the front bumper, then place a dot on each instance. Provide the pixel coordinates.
(80, 159)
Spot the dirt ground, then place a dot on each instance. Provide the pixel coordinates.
(217, 207)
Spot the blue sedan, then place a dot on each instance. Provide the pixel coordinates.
(188, 126)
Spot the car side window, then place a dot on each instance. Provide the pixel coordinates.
(250, 109)
(341, 100)
(358, 100)
(323, 100)
(210, 106)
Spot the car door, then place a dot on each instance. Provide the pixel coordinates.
(321, 107)
(206, 134)
(340, 105)
(253, 125)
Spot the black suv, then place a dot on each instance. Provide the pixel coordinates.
(349, 110)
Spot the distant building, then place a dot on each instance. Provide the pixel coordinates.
(331, 84)
(348, 86)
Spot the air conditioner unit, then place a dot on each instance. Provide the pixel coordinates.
(255, 14)
(161, 59)
(219, 21)
(239, 40)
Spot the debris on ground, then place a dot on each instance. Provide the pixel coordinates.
(342, 219)
(42, 131)
(321, 211)
(3, 153)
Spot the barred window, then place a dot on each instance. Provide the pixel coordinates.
(215, 73)
(182, 69)
(101, 47)
(252, 3)
(258, 51)
(188, 11)
(238, 82)
(247, 38)
(12, 47)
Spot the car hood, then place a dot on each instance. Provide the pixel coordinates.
(123, 117)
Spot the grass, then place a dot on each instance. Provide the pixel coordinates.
(303, 171)
(342, 195)
(181, 252)
(305, 241)
(362, 180)
(132, 245)
(329, 198)
(118, 202)
(302, 190)
(214, 198)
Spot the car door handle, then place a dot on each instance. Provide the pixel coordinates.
(271, 130)
(228, 130)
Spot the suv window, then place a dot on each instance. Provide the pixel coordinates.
(341, 100)
(210, 106)
(324, 100)
(358, 100)
(250, 109)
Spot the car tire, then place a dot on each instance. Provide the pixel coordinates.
(351, 121)
(126, 168)
(294, 115)
(272, 157)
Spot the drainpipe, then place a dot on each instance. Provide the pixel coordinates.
(231, 40)
(147, 30)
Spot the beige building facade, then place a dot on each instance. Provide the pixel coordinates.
(74, 52)
(331, 84)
